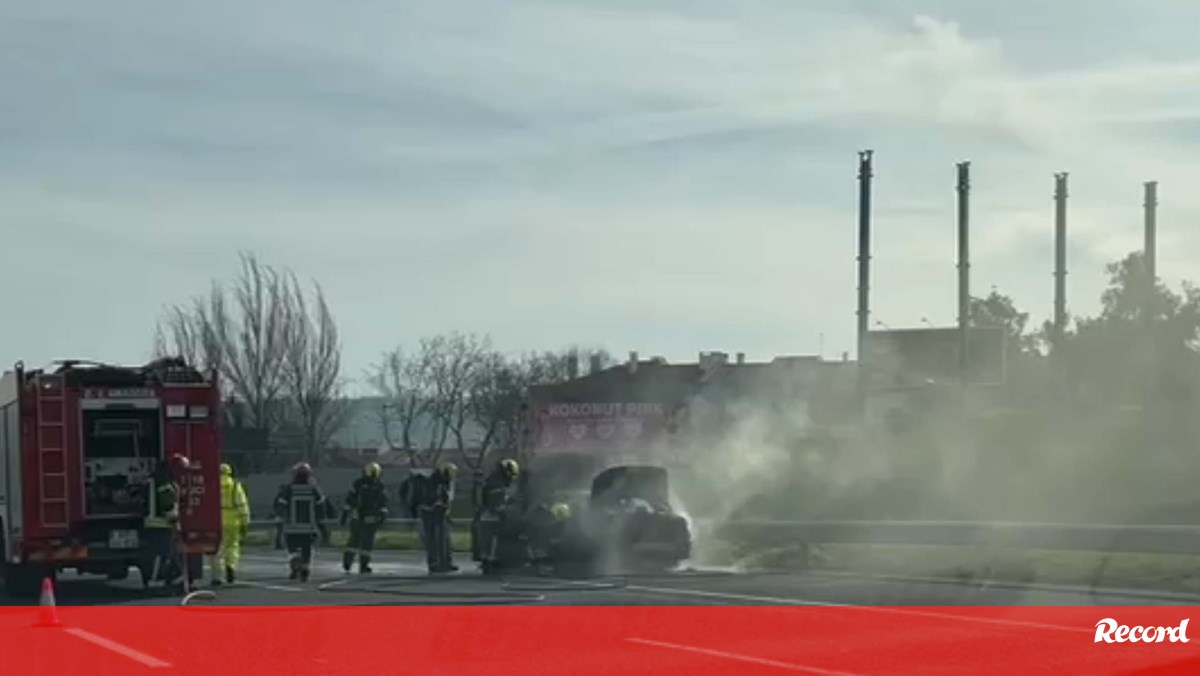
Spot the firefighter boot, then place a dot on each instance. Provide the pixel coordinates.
(347, 561)
(294, 565)
(229, 574)
(364, 564)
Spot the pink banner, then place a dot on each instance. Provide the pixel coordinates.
(625, 428)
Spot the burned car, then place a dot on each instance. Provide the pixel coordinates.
(631, 518)
(624, 523)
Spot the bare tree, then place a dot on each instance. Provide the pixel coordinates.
(193, 331)
(241, 331)
(256, 348)
(455, 362)
(404, 383)
(493, 406)
(497, 402)
(312, 366)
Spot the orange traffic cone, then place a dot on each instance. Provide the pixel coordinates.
(48, 610)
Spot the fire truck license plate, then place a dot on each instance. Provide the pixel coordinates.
(123, 539)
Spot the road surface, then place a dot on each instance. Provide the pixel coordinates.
(822, 624)
(400, 578)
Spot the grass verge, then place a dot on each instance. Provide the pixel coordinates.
(398, 541)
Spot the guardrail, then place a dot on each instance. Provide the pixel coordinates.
(389, 526)
(1146, 539)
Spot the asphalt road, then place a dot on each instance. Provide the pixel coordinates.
(823, 624)
(400, 578)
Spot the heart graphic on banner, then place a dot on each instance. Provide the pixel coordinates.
(604, 430)
(578, 431)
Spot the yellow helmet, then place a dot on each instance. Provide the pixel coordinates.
(561, 511)
(373, 470)
(510, 467)
(226, 470)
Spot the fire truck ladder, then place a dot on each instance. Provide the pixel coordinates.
(52, 451)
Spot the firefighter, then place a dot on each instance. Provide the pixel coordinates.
(235, 521)
(497, 504)
(300, 506)
(434, 508)
(546, 525)
(161, 525)
(366, 509)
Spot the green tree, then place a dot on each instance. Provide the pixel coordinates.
(999, 310)
(1113, 356)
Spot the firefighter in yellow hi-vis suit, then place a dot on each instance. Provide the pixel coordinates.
(235, 521)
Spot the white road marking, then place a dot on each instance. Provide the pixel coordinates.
(847, 606)
(740, 658)
(137, 656)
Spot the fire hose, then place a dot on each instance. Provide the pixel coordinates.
(514, 590)
(395, 585)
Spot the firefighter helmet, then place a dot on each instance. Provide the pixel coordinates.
(302, 470)
(180, 463)
(561, 511)
(226, 470)
(510, 467)
(372, 470)
(450, 470)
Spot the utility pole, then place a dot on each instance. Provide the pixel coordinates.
(865, 174)
(964, 267)
(1060, 259)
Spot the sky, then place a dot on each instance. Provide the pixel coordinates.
(669, 176)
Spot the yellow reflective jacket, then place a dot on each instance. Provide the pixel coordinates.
(235, 509)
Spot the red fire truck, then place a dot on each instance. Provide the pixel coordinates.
(78, 444)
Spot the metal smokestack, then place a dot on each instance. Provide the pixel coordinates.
(865, 174)
(1150, 261)
(964, 266)
(1150, 252)
(1060, 258)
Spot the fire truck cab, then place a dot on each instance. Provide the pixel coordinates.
(79, 442)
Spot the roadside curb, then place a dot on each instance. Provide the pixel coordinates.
(1003, 584)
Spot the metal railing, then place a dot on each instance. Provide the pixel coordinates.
(1146, 539)
(393, 525)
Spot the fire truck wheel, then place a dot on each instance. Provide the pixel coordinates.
(195, 567)
(144, 573)
(25, 580)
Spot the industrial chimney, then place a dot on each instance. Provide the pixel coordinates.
(964, 267)
(741, 358)
(594, 365)
(572, 366)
